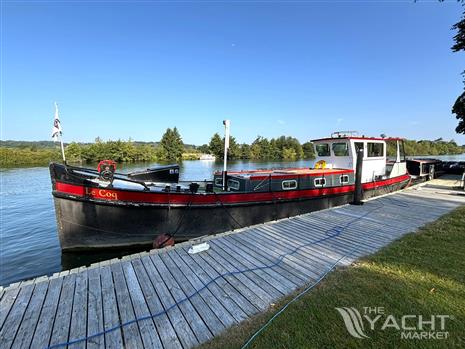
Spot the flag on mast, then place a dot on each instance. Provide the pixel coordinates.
(57, 130)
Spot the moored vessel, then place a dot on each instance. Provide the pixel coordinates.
(95, 211)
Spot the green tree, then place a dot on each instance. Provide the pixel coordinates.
(289, 154)
(309, 151)
(245, 151)
(204, 148)
(171, 145)
(216, 146)
(459, 106)
(73, 152)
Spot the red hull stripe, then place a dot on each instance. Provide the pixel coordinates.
(229, 198)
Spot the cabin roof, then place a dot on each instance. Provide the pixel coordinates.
(285, 173)
(359, 138)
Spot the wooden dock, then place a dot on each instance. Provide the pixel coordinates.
(184, 300)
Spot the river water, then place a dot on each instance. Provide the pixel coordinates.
(29, 243)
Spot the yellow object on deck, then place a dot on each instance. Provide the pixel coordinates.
(320, 164)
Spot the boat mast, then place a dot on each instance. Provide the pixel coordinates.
(57, 132)
(226, 124)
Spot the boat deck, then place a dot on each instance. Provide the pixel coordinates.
(183, 300)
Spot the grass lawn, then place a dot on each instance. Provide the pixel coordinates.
(421, 274)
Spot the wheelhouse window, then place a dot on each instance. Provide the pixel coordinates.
(344, 179)
(288, 185)
(218, 182)
(322, 149)
(319, 182)
(375, 150)
(402, 151)
(233, 184)
(340, 149)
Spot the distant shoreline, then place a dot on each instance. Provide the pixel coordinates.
(40, 153)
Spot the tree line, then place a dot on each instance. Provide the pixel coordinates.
(425, 147)
(172, 149)
(281, 148)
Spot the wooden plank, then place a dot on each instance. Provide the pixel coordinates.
(131, 333)
(295, 235)
(255, 295)
(147, 328)
(291, 279)
(7, 302)
(28, 324)
(248, 243)
(297, 260)
(13, 321)
(94, 310)
(180, 324)
(217, 299)
(79, 313)
(267, 277)
(343, 244)
(199, 327)
(62, 323)
(231, 295)
(111, 319)
(346, 239)
(315, 251)
(208, 307)
(44, 327)
(367, 239)
(164, 327)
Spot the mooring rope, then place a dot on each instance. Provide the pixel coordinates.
(329, 234)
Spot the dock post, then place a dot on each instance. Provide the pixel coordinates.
(358, 193)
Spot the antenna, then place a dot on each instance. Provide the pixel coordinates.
(227, 125)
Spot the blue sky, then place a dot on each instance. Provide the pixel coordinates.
(305, 69)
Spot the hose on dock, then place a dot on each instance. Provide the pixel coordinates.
(329, 234)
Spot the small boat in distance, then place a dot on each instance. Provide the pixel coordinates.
(100, 210)
(207, 157)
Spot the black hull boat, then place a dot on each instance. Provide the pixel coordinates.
(122, 211)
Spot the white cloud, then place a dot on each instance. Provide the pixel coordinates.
(281, 122)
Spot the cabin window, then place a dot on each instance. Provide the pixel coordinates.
(218, 182)
(288, 185)
(233, 184)
(402, 151)
(344, 179)
(319, 182)
(375, 150)
(340, 149)
(322, 149)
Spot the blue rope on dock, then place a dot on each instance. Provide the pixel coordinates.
(329, 234)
